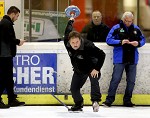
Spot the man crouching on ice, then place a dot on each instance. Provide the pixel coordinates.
(87, 61)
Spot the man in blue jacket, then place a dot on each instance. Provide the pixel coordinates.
(87, 61)
(126, 38)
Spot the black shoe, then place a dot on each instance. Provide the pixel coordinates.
(3, 106)
(15, 103)
(76, 108)
(106, 104)
(128, 104)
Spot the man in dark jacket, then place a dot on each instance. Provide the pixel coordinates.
(126, 38)
(96, 30)
(87, 60)
(8, 44)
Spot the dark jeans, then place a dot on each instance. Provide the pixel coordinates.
(78, 80)
(6, 77)
(118, 69)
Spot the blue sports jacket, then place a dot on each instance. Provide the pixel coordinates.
(125, 53)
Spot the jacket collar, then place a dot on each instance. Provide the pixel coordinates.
(124, 26)
(8, 18)
(96, 25)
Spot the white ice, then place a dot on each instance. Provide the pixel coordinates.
(62, 112)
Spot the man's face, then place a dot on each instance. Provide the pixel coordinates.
(75, 42)
(15, 16)
(128, 21)
(96, 18)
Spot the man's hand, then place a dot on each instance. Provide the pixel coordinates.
(22, 42)
(125, 41)
(71, 18)
(94, 73)
(134, 43)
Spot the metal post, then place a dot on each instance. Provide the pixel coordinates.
(30, 20)
(138, 11)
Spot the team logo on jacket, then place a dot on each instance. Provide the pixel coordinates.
(135, 32)
(80, 57)
(121, 30)
(70, 54)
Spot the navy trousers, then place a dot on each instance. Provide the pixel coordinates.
(118, 69)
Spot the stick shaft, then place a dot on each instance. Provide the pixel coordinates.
(60, 101)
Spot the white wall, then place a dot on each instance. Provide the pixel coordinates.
(64, 67)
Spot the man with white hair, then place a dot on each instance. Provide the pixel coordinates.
(126, 38)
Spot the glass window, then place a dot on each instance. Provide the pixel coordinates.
(49, 20)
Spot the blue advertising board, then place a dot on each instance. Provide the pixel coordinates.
(35, 73)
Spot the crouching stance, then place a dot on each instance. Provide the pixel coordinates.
(87, 61)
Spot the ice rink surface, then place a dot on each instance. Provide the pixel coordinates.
(62, 112)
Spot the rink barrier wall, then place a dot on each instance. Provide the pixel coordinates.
(62, 73)
(46, 100)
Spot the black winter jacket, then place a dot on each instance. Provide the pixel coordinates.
(7, 36)
(95, 33)
(87, 57)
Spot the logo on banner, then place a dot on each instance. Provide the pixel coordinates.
(1, 9)
(35, 73)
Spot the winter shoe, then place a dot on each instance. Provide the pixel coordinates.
(128, 104)
(3, 106)
(106, 104)
(15, 103)
(95, 106)
(77, 107)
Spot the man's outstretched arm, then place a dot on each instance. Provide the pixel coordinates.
(68, 29)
